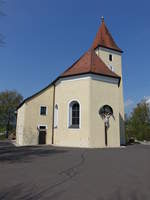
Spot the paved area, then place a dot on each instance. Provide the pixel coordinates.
(47, 173)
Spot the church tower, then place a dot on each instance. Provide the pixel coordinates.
(106, 48)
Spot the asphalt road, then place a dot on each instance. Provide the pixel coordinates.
(47, 173)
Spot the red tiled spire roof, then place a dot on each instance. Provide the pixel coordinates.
(104, 39)
(89, 63)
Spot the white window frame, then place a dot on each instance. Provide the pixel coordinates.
(46, 110)
(38, 129)
(69, 117)
(56, 116)
(38, 126)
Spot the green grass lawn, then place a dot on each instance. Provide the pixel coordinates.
(2, 137)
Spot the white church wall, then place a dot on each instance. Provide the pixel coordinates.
(104, 93)
(104, 53)
(30, 118)
(20, 125)
(92, 92)
(65, 92)
(116, 64)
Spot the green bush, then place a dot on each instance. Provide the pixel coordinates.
(138, 123)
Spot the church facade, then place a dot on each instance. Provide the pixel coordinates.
(66, 112)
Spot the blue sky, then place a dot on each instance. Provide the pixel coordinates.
(44, 37)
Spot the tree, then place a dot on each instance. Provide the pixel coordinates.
(138, 124)
(9, 101)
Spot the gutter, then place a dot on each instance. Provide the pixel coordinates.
(53, 115)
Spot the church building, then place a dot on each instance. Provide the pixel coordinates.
(83, 107)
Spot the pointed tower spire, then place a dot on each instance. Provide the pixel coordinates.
(104, 39)
(102, 18)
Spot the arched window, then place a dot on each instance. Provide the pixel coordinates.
(74, 114)
(56, 116)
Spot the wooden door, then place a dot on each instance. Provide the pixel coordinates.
(42, 137)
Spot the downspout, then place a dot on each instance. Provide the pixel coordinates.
(53, 115)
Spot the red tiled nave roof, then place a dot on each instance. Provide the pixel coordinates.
(89, 63)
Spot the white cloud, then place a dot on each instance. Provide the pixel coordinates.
(147, 99)
(128, 103)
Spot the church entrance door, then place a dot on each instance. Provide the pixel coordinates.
(42, 135)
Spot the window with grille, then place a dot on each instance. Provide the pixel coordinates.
(43, 110)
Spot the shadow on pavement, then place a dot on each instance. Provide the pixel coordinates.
(14, 154)
(31, 192)
(6, 143)
(22, 191)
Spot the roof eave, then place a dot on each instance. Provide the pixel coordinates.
(120, 51)
(100, 74)
(30, 97)
(53, 83)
